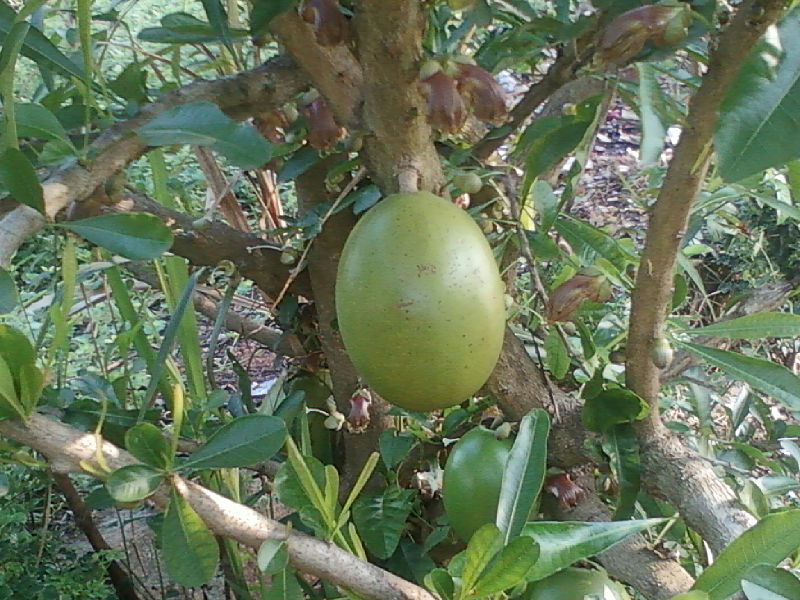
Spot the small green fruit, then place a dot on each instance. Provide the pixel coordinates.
(468, 182)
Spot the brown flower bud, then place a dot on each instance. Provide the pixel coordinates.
(626, 35)
(567, 297)
(272, 125)
(446, 111)
(330, 26)
(323, 132)
(564, 489)
(482, 92)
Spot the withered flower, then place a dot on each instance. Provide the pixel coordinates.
(567, 297)
(331, 27)
(481, 91)
(323, 131)
(446, 111)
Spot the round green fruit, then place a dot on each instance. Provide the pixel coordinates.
(575, 584)
(419, 302)
(472, 478)
(468, 182)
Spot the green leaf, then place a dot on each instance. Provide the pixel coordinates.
(19, 178)
(622, 447)
(218, 19)
(190, 551)
(556, 354)
(508, 568)
(765, 582)
(37, 47)
(523, 474)
(380, 518)
(766, 376)
(244, 441)
(138, 236)
(292, 493)
(561, 543)
(183, 28)
(146, 442)
(770, 541)
(441, 583)
(394, 446)
(204, 124)
(15, 348)
(34, 120)
(590, 242)
(9, 298)
(264, 11)
(284, 587)
(753, 327)
(31, 384)
(363, 198)
(612, 407)
(758, 114)
(546, 204)
(653, 130)
(132, 483)
(695, 595)
(300, 162)
(273, 556)
(10, 408)
(482, 547)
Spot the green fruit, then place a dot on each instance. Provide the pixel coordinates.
(472, 478)
(468, 182)
(575, 584)
(419, 302)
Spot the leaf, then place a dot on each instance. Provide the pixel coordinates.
(284, 587)
(589, 241)
(546, 204)
(483, 545)
(204, 124)
(218, 19)
(190, 551)
(292, 493)
(15, 348)
(622, 447)
(146, 442)
(695, 595)
(363, 198)
(183, 28)
(766, 376)
(300, 162)
(132, 483)
(37, 47)
(653, 130)
(394, 446)
(273, 556)
(34, 120)
(765, 582)
(561, 543)
(770, 541)
(380, 518)
(10, 407)
(508, 568)
(138, 236)
(9, 298)
(264, 11)
(556, 354)
(19, 178)
(753, 327)
(612, 407)
(757, 117)
(242, 442)
(523, 474)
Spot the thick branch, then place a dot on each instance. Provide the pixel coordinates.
(67, 448)
(239, 96)
(389, 43)
(670, 468)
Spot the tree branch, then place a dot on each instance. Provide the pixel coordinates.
(670, 468)
(258, 90)
(68, 449)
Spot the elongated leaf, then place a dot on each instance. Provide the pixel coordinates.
(9, 299)
(508, 568)
(590, 241)
(755, 326)
(19, 178)
(37, 47)
(561, 543)
(273, 556)
(653, 130)
(292, 493)
(10, 407)
(380, 518)
(16, 348)
(440, 582)
(218, 19)
(34, 120)
(766, 376)
(191, 553)
(264, 11)
(394, 446)
(556, 353)
(242, 442)
(284, 587)
(612, 407)
(482, 547)
(694, 595)
(765, 582)
(204, 124)
(770, 541)
(523, 474)
(757, 117)
(146, 442)
(622, 447)
(132, 483)
(137, 236)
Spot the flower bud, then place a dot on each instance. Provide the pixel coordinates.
(626, 35)
(330, 26)
(482, 92)
(661, 353)
(567, 297)
(323, 132)
(446, 111)
(358, 419)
